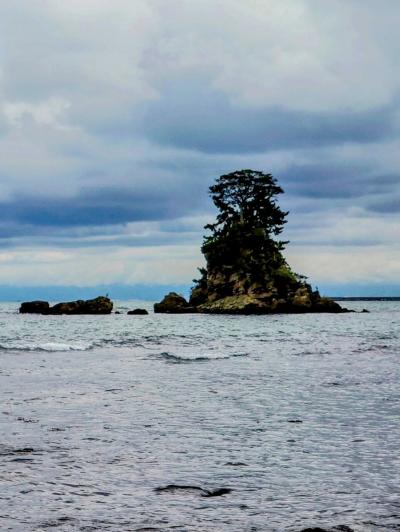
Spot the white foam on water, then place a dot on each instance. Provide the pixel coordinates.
(47, 346)
(195, 357)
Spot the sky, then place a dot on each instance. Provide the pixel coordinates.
(117, 115)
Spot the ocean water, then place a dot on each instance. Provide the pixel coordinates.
(295, 418)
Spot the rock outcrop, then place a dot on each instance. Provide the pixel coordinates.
(224, 292)
(246, 272)
(34, 307)
(99, 305)
(238, 293)
(137, 312)
(174, 303)
(246, 304)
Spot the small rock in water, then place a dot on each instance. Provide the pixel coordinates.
(137, 312)
(173, 303)
(295, 421)
(24, 450)
(217, 492)
(314, 529)
(202, 492)
(174, 487)
(339, 528)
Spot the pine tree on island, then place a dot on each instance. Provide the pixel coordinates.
(242, 238)
(246, 272)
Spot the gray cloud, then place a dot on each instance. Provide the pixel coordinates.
(117, 113)
(193, 116)
(386, 206)
(337, 181)
(95, 207)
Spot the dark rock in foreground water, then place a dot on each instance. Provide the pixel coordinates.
(99, 305)
(137, 312)
(339, 528)
(314, 529)
(174, 303)
(173, 488)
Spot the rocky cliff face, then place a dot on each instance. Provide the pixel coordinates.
(238, 293)
(223, 292)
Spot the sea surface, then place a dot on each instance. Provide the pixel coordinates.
(200, 423)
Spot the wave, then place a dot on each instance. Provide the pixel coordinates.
(46, 346)
(177, 359)
(115, 342)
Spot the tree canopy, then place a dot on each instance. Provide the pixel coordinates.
(248, 197)
(248, 221)
(246, 271)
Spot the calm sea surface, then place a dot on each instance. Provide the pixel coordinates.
(298, 416)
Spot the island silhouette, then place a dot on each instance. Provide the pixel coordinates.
(246, 271)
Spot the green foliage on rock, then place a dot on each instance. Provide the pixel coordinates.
(246, 271)
(242, 238)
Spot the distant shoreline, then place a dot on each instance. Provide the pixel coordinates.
(366, 298)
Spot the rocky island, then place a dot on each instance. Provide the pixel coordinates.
(98, 305)
(246, 272)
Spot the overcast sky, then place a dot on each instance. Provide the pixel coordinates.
(117, 115)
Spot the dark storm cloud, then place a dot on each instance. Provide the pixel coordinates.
(337, 181)
(97, 207)
(94, 212)
(193, 116)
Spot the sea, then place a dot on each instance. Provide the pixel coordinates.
(199, 422)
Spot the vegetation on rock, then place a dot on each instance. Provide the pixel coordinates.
(246, 271)
(249, 217)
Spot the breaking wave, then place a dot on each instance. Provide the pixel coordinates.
(47, 346)
(193, 357)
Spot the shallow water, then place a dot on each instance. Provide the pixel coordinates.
(297, 415)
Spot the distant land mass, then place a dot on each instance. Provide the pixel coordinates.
(366, 298)
(114, 291)
(154, 292)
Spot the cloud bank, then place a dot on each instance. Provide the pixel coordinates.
(116, 116)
